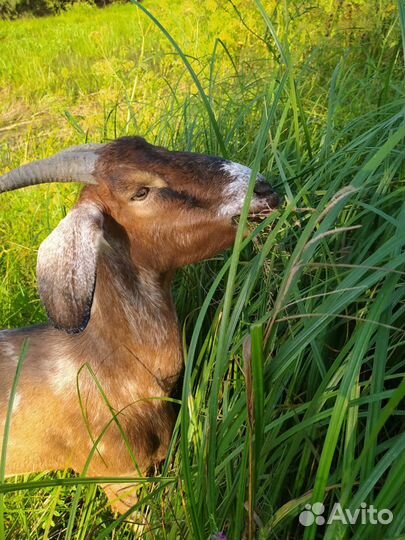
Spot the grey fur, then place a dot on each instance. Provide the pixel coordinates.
(66, 268)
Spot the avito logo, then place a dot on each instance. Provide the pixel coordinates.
(314, 513)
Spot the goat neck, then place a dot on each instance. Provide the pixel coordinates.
(133, 313)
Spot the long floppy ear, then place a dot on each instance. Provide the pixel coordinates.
(66, 268)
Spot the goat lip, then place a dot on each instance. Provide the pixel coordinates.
(259, 216)
(260, 211)
(254, 215)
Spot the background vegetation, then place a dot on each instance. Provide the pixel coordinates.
(313, 94)
(12, 9)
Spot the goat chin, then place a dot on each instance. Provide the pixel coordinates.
(92, 394)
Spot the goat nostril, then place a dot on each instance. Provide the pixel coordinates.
(263, 188)
(274, 200)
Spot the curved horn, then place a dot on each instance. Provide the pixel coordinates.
(75, 164)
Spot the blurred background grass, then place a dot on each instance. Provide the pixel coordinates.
(321, 85)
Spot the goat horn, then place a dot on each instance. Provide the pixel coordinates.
(75, 164)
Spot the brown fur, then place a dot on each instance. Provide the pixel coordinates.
(130, 349)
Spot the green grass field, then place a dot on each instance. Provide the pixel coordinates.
(313, 94)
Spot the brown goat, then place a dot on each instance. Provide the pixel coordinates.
(104, 276)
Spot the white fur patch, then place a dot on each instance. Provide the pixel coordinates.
(235, 193)
(9, 350)
(64, 375)
(17, 401)
(240, 172)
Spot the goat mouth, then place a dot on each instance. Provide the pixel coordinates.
(260, 215)
(255, 215)
(260, 208)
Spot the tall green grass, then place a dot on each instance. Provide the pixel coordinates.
(294, 343)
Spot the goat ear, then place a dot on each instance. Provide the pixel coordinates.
(66, 268)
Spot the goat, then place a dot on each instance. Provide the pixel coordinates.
(104, 276)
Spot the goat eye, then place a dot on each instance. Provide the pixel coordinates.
(141, 194)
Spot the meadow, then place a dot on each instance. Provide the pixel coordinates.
(313, 96)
